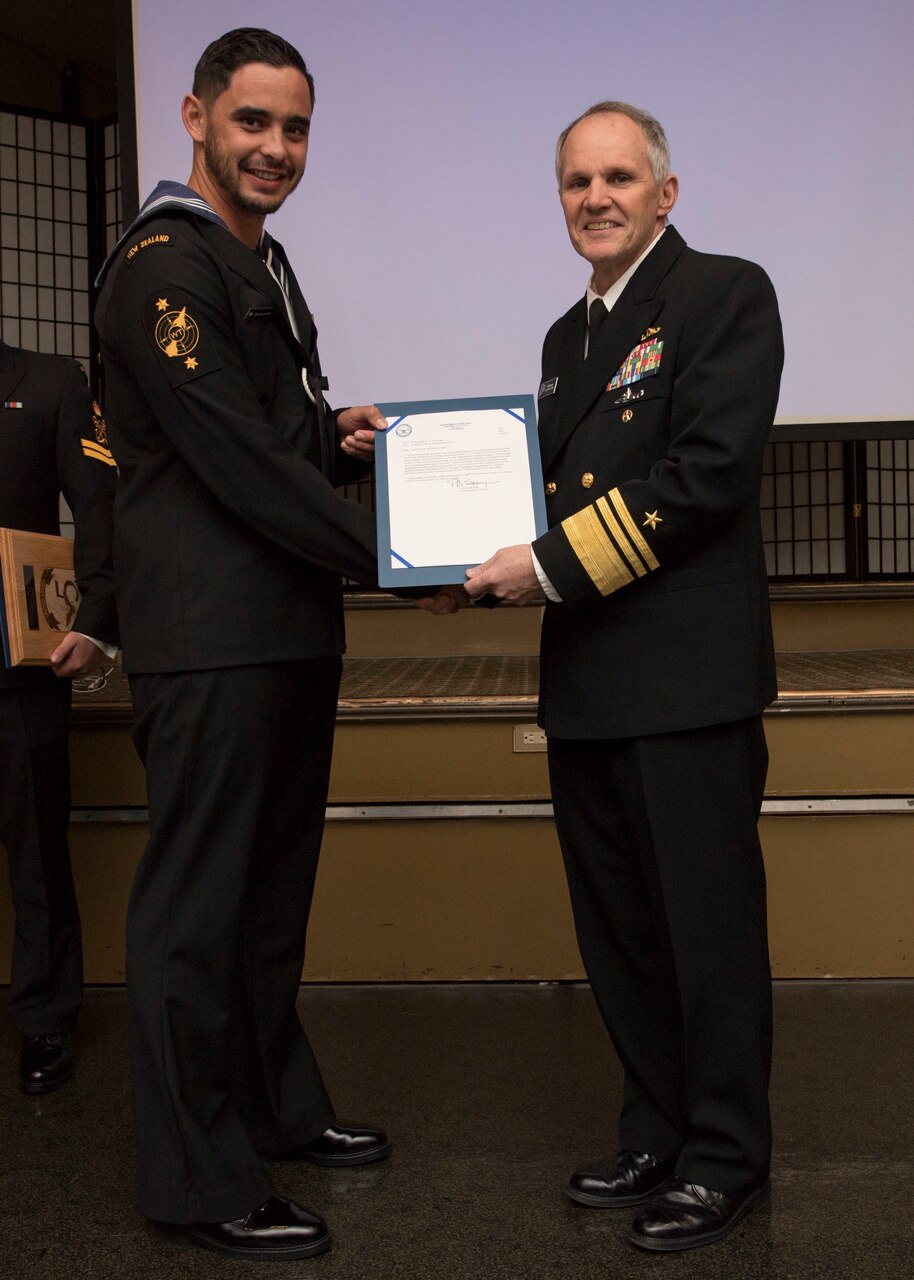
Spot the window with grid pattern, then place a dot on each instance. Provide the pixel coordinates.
(60, 212)
(889, 507)
(113, 207)
(803, 509)
(44, 234)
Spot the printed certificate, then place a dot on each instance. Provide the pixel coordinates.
(455, 480)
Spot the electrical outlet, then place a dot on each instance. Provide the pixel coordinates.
(529, 737)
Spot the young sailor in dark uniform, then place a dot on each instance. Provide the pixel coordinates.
(230, 544)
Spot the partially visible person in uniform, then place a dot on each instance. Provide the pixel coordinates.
(52, 441)
(658, 394)
(230, 542)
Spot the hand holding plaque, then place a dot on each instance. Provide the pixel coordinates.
(39, 596)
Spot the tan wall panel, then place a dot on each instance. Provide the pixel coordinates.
(104, 858)
(447, 760)
(841, 895)
(804, 625)
(442, 901)
(395, 901)
(835, 755)
(799, 626)
(105, 769)
(486, 900)
(828, 754)
(399, 632)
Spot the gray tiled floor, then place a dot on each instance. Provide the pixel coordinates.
(492, 1094)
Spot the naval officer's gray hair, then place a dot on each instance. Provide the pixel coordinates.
(658, 149)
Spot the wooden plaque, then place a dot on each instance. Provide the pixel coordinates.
(39, 595)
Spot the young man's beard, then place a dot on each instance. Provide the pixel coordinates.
(224, 170)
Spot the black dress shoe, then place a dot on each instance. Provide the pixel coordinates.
(280, 1229)
(683, 1215)
(45, 1064)
(631, 1178)
(343, 1145)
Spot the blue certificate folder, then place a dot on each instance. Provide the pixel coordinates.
(399, 566)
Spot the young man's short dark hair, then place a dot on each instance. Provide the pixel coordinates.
(221, 59)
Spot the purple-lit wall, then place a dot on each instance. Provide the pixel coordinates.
(427, 234)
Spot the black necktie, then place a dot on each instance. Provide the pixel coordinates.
(595, 318)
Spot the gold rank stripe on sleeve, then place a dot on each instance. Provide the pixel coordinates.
(631, 528)
(92, 449)
(608, 543)
(593, 546)
(612, 524)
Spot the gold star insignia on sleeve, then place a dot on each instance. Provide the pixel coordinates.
(652, 519)
(190, 363)
(162, 304)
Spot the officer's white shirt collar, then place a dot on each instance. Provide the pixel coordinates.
(610, 298)
(614, 292)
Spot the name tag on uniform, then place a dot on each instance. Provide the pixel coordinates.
(547, 388)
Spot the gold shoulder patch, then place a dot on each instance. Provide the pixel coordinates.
(163, 239)
(176, 332)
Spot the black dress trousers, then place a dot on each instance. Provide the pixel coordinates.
(47, 970)
(659, 836)
(238, 765)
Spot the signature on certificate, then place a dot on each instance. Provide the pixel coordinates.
(464, 484)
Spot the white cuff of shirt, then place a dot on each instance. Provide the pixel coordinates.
(109, 650)
(548, 589)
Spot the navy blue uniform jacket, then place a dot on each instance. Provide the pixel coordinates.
(652, 494)
(229, 537)
(53, 441)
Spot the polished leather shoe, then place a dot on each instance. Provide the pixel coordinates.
(631, 1178)
(279, 1229)
(683, 1215)
(343, 1145)
(46, 1063)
